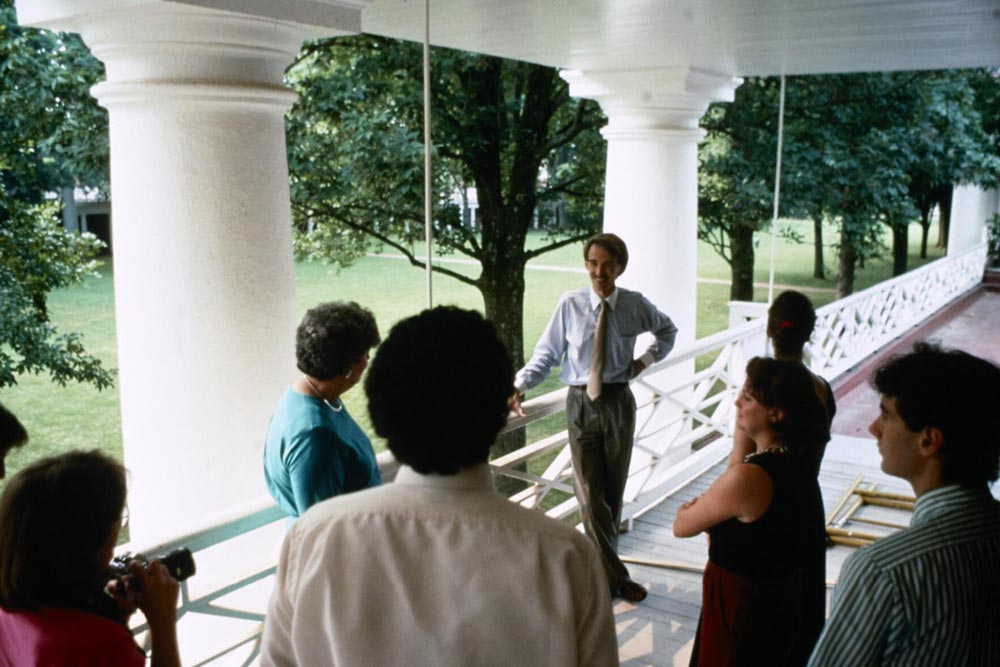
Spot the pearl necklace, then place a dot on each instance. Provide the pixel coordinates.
(321, 397)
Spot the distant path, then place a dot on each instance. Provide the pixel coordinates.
(567, 269)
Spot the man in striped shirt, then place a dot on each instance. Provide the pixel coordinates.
(930, 594)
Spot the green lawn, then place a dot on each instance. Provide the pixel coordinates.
(78, 416)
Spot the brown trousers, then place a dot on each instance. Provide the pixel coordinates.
(600, 441)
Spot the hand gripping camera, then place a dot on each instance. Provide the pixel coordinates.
(179, 562)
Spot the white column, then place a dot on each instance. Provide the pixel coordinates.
(651, 190)
(204, 282)
(971, 209)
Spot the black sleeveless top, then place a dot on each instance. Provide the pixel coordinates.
(787, 536)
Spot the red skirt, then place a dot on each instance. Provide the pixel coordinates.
(752, 623)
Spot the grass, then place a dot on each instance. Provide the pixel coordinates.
(80, 417)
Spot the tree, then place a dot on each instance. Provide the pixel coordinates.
(949, 141)
(52, 134)
(860, 149)
(736, 177)
(510, 129)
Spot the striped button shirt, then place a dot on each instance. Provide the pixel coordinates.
(927, 595)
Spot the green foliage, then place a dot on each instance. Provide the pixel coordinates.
(52, 132)
(506, 128)
(52, 135)
(736, 164)
(993, 249)
(860, 149)
(37, 257)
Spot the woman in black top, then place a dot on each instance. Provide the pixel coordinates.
(765, 520)
(791, 319)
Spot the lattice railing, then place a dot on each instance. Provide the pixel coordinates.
(683, 419)
(850, 329)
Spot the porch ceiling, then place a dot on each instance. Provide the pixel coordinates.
(733, 37)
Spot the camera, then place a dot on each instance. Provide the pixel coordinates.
(179, 562)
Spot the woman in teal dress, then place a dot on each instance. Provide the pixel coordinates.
(314, 449)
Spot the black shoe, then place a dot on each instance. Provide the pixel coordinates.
(632, 591)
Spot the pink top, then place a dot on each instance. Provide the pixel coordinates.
(65, 638)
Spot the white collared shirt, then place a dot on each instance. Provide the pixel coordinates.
(433, 570)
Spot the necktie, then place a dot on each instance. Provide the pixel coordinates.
(597, 354)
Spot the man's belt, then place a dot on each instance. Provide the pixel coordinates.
(605, 386)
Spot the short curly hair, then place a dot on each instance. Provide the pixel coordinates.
(438, 390)
(790, 322)
(332, 336)
(956, 393)
(789, 386)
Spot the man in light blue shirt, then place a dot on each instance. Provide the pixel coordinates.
(600, 408)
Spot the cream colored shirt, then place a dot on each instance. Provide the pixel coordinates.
(434, 570)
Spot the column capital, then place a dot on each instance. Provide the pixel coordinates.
(664, 102)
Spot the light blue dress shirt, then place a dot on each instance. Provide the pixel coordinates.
(569, 338)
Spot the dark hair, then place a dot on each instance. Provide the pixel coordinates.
(789, 386)
(438, 390)
(790, 322)
(611, 243)
(56, 516)
(332, 336)
(959, 395)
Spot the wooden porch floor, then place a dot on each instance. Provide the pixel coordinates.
(660, 630)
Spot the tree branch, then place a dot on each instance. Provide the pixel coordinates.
(567, 133)
(350, 222)
(576, 238)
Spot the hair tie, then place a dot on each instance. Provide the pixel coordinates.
(786, 324)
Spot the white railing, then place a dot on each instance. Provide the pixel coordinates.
(683, 420)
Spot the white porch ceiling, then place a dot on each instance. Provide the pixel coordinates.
(732, 37)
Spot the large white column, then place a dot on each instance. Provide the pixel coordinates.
(651, 190)
(204, 283)
(971, 209)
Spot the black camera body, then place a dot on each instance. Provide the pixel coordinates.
(179, 562)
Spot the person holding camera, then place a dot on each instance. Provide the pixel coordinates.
(59, 604)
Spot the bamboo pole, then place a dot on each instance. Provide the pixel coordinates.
(664, 564)
(876, 522)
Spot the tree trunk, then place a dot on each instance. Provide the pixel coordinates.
(944, 214)
(848, 260)
(741, 266)
(900, 247)
(504, 232)
(819, 270)
(503, 301)
(925, 227)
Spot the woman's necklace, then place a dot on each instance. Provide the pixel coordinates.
(320, 396)
(777, 449)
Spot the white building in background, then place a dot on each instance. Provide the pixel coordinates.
(87, 210)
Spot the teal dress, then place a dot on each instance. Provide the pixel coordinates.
(312, 453)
